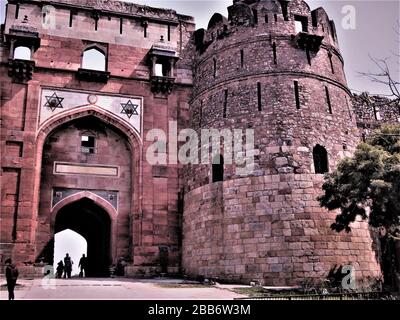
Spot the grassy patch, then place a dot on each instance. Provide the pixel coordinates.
(251, 292)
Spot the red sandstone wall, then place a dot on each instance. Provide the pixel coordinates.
(258, 59)
(269, 226)
(149, 205)
(112, 149)
(270, 229)
(279, 124)
(373, 111)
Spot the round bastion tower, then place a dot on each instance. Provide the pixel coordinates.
(275, 67)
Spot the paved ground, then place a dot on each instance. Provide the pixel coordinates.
(121, 289)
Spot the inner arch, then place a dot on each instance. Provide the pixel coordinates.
(71, 242)
(94, 224)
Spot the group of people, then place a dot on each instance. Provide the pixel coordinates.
(64, 268)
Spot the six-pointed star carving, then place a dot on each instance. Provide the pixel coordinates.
(129, 109)
(54, 102)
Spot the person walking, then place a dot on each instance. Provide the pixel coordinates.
(83, 266)
(67, 266)
(11, 277)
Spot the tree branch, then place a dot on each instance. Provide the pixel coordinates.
(384, 76)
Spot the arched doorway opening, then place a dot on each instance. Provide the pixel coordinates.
(66, 139)
(71, 242)
(93, 223)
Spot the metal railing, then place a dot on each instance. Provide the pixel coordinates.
(330, 296)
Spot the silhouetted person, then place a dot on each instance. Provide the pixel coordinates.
(11, 276)
(60, 269)
(67, 266)
(83, 266)
(120, 269)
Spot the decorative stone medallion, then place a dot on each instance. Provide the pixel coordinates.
(92, 99)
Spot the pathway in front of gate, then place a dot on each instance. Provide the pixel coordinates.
(117, 289)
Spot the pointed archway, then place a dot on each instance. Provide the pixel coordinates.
(116, 146)
(71, 242)
(93, 223)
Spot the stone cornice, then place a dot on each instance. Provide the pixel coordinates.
(120, 8)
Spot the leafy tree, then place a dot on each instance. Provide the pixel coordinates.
(370, 179)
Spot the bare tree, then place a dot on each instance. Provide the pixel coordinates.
(384, 75)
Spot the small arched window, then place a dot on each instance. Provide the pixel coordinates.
(94, 59)
(218, 169)
(22, 53)
(320, 156)
(88, 143)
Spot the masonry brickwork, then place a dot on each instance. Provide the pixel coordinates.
(251, 70)
(147, 216)
(269, 227)
(372, 111)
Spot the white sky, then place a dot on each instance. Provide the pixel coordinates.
(374, 35)
(70, 242)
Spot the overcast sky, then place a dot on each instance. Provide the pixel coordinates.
(374, 33)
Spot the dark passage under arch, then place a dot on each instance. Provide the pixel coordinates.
(94, 224)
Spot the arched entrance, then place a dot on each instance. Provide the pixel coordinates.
(94, 224)
(107, 155)
(71, 242)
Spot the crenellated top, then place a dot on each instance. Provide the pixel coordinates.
(275, 18)
(267, 37)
